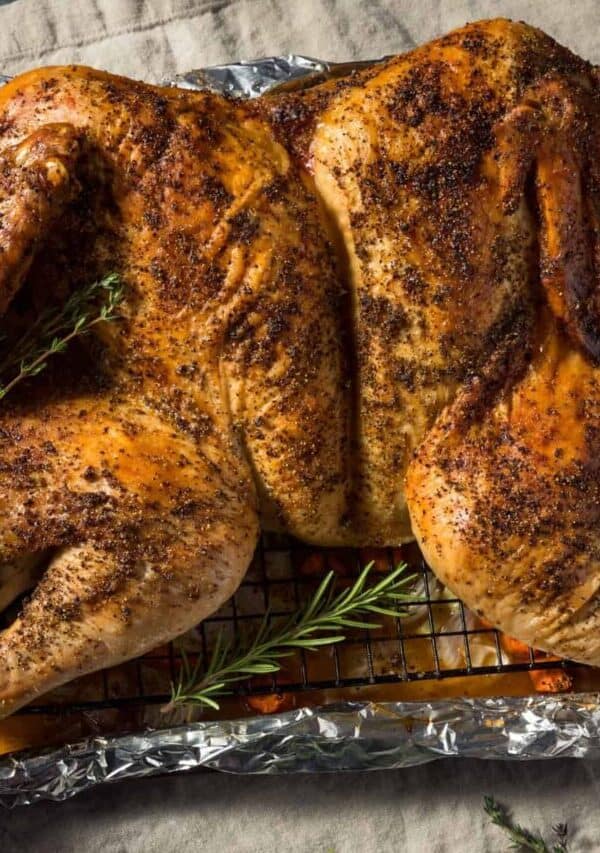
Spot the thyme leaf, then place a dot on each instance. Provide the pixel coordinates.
(56, 327)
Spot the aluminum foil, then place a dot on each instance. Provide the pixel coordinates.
(345, 736)
(348, 736)
(251, 79)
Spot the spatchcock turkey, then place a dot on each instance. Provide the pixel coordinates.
(360, 313)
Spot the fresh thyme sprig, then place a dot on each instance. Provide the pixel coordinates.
(56, 327)
(318, 624)
(523, 839)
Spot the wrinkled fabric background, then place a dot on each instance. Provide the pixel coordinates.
(433, 808)
(153, 38)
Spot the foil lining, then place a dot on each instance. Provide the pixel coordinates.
(251, 79)
(342, 737)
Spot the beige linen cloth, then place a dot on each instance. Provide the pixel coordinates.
(434, 808)
(153, 38)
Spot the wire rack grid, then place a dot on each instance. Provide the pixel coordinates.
(437, 638)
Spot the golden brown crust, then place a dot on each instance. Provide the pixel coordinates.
(311, 279)
(140, 456)
(505, 499)
(404, 159)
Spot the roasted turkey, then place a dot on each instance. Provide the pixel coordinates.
(360, 313)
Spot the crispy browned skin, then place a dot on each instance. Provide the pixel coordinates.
(505, 498)
(311, 278)
(139, 459)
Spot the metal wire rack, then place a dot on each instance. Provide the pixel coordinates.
(436, 639)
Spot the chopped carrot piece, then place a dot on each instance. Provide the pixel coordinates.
(377, 556)
(338, 565)
(515, 648)
(314, 564)
(539, 655)
(398, 556)
(268, 704)
(550, 680)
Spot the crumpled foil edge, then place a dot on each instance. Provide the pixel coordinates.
(341, 737)
(253, 78)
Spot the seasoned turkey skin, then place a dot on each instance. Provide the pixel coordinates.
(359, 313)
(141, 460)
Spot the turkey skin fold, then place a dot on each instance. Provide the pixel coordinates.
(360, 313)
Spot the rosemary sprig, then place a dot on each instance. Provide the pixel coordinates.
(56, 327)
(523, 839)
(319, 623)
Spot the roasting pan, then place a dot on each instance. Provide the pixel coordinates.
(436, 683)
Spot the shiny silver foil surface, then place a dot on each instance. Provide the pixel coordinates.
(347, 736)
(251, 79)
(344, 736)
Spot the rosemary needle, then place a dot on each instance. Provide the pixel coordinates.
(321, 622)
(55, 328)
(523, 839)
